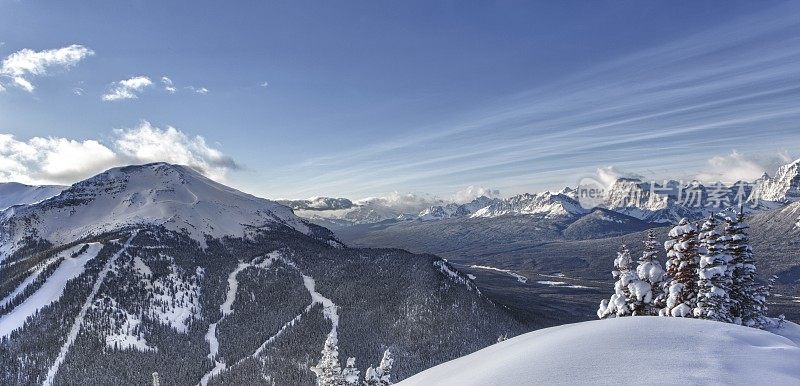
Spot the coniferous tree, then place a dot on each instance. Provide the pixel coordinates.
(749, 298)
(384, 370)
(350, 374)
(328, 371)
(371, 377)
(714, 272)
(682, 264)
(650, 272)
(619, 305)
(381, 375)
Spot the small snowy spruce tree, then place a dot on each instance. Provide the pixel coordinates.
(371, 377)
(328, 371)
(651, 273)
(714, 285)
(748, 297)
(381, 375)
(385, 368)
(619, 305)
(350, 374)
(682, 264)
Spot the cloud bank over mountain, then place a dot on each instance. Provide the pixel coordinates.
(54, 160)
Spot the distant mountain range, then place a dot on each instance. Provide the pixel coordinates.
(660, 203)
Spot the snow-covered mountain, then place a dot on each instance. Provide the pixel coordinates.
(640, 350)
(318, 203)
(451, 210)
(155, 268)
(659, 203)
(651, 202)
(13, 193)
(175, 197)
(784, 187)
(547, 205)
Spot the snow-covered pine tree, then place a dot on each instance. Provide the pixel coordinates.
(651, 273)
(748, 297)
(714, 272)
(371, 377)
(384, 370)
(618, 305)
(328, 371)
(350, 374)
(682, 264)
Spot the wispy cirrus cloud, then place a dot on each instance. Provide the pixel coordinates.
(127, 89)
(20, 67)
(663, 111)
(57, 160)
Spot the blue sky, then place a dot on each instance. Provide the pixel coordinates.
(355, 99)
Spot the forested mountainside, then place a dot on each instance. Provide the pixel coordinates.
(114, 298)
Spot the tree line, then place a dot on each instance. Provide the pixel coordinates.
(708, 275)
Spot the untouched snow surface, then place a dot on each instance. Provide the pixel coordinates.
(641, 350)
(51, 290)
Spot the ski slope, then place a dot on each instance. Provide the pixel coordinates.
(634, 350)
(51, 290)
(76, 325)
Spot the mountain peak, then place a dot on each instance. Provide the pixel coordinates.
(784, 187)
(157, 194)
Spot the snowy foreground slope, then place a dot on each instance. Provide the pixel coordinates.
(640, 350)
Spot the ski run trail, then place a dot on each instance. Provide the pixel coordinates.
(53, 288)
(330, 311)
(76, 325)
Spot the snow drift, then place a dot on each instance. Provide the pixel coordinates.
(641, 350)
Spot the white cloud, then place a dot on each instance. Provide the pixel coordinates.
(401, 202)
(23, 64)
(23, 83)
(168, 85)
(610, 174)
(472, 192)
(264, 84)
(198, 90)
(51, 160)
(731, 168)
(63, 161)
(78, 91)
(128, 88)
(147, 143)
